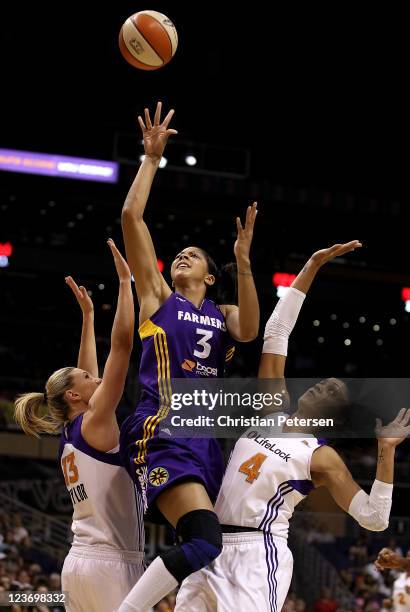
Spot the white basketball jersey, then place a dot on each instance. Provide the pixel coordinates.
(264, 481)
(401, 593)
(107, 509)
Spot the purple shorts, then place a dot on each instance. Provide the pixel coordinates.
(156, 461)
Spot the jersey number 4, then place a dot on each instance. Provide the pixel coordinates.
(251, 467)
(70, 469)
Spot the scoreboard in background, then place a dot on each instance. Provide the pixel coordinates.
(59, 165)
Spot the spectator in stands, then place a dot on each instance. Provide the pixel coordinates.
(392, 545)
(23, 581)
(289, 605)
(320, 534)
(19, 532)
(358, 553)
(9, 545)
(34, 570)
(325, 603)
(387, 605)
(55, 582)
(5, 582)
(377, 579)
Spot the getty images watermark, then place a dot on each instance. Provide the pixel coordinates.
(257, 401)
(330, 407)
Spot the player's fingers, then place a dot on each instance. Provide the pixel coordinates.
(405, 417)
(113, 247)
(72, 284)
(157, 116)
(142, 124)
(168, 118)
(147, 119)
(254, 212)
(400, 415)
(239, 226)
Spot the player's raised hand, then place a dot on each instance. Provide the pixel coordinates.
(387, 559)
(156, 134)
(81, 295)
(324, 255)
(121, 265)
(243, 241)
(395, 432)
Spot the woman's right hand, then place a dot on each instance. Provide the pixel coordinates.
(81, 295)
(324, 255)
(156, 135)
(121, 265)
(395, 432)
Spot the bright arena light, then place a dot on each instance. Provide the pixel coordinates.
(281, 291)
(191, 160)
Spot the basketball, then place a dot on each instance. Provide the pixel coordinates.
(148, 40)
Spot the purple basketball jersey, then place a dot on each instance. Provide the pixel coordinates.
(181, 340)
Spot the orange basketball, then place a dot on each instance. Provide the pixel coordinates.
(148, 40)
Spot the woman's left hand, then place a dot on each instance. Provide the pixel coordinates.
(243, 241)
(81, 295)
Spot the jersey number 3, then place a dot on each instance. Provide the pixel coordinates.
(206, 347)
(251, 467)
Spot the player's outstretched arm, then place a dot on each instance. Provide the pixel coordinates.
(242, 321)
(152, 290)
(284, 317)
(87, 355)
(100, 417)
(370, 511)
(388, 559)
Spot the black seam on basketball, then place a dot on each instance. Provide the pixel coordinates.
(169, 38)
(148, 43)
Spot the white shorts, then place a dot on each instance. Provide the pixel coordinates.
(253, 572)
(98, 579)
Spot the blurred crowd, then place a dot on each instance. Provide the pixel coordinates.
(22, 566)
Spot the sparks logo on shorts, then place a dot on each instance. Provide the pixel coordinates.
(202, 370)
(158, 476)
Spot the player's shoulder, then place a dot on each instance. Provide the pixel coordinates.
(325, 458)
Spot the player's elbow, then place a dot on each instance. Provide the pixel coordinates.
(122, 345)
(380, 524)
(247, 333)
(130, 214)
(376, 522)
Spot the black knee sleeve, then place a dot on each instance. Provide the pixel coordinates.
(200, 538)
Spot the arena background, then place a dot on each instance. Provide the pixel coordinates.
(305, 112)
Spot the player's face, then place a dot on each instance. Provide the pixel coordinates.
(324, 398)
(84, 384)
(189, 264)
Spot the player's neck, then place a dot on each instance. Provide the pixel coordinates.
(75, 412)
(195, 294)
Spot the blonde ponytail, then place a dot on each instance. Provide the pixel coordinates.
(45, 412)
